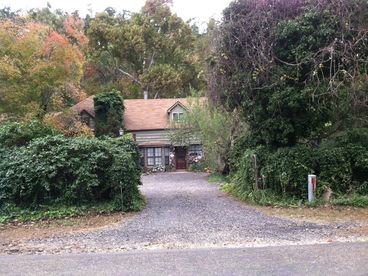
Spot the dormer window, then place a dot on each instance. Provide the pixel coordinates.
(177, 112)
(177, 116)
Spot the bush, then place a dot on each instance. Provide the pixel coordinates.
(355, 144)
(20, 134)
(334, 169)
(286, 170)
(197, 166)
(356, 136)
(283, 173)
(245, 167)
(71, 171)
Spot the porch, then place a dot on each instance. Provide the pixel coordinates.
(168, 157)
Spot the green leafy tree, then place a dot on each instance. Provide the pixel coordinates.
(294, 68)
(216, 128)
(47, 17)
(109, 110)
(7, 13)
(128, 51)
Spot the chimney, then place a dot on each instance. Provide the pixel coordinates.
(145, 94)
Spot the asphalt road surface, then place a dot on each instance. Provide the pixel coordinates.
(321, 259)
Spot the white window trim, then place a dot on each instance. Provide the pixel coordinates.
(154, 156)
(179, 120)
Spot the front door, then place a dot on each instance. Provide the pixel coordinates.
(181, 153)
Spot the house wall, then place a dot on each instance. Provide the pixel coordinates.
(159, 137)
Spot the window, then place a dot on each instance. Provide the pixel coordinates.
(195, 150)
(178, 116)
(92, 123)
(167, 156)
(154, 156)
(85, 118)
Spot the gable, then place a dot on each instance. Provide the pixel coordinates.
(177, 105)
(178, 109)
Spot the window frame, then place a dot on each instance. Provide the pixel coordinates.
(85, 118)
(142, 159)
(154, 156)
(197, 149)
(179, 117)
(167, 156)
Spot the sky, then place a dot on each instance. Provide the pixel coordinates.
(201, 10)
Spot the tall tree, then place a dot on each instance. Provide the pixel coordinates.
(296, 69)
(37, 68)
(151, 50)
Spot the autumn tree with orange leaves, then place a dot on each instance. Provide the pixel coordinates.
(40, 69)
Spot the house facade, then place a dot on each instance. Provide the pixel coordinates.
(149, 121)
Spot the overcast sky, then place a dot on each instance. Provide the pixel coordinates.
(202, 10)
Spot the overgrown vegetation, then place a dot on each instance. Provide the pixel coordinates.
(299, 86)
(15, 134)
(44, 169)
(215, 128)
(109, 109)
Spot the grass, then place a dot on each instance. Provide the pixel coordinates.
(11, 213)
(269, 198)
(355, 200)
(217, 178)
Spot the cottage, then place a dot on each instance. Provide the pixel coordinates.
(149, 120)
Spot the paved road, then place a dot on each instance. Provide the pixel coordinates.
(328, 259)
(185, 211)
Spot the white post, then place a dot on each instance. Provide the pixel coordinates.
(312, 186)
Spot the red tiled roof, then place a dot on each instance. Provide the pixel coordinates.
(86, 105)
(140, 114)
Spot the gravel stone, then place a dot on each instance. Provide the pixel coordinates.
(184, 210)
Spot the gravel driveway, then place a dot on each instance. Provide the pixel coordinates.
(185, 211)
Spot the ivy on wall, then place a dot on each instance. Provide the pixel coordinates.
(109, 110)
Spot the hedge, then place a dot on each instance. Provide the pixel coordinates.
(55, 169)
(13, 134)
(340, 164)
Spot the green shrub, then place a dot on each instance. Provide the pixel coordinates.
(71, 171)
(335, 169)
(197, 166)
(283, 173)
(356, 136)
(286, 171)
(20, 134)
(109, 111)
(355, 144)
(244, 168)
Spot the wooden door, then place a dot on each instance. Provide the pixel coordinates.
(181, 153)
